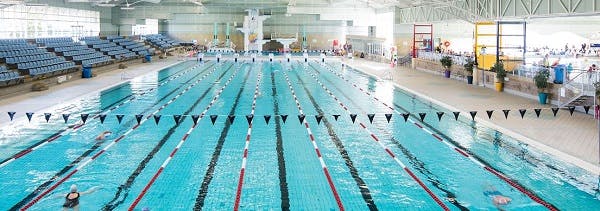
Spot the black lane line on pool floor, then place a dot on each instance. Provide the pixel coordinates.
(416, 163)
(486, 166)
(283, 188)
(56, 176)
(495, 140)
(217, 153)
(59, 133)
(112, 204)
(362, 186)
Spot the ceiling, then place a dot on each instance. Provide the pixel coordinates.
(264, 4)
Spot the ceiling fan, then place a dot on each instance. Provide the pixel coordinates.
(128, 5)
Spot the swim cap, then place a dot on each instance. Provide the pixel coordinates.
(145, 209)
(73, 188)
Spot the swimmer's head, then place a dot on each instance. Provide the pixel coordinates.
(107, 133)
(73, 188)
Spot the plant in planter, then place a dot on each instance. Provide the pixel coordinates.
(541, 82)
(469, 70)
(446, 63)
(500, 74)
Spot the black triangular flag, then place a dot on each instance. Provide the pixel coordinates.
(319, 117)
(422, 116)
(284, 117)
(388, 117)
(336, 116)
(586, 109)
(66, 117)
(456, 113)
(231, 118)
(522, 112)
(301, 118)
(405, 115)
(120, 118)
(213, 118)
(554, 111)
(249, 118)
(176, 118)
(47, 116)
(473, 113)
(102, 117)
(489, 113)
(11, 114)
(537, 112)
(195, 118)
(84, 117)
(571, 109)
(371, 116)
(138, 118)
(353, 117)
(156, 119)
(267, 118)
(29, 115)
(505, 113)
(439, 115)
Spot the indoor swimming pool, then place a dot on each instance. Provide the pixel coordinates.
(274, 136)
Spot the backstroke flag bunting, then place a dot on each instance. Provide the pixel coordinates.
(301, 117)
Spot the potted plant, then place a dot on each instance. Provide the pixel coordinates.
(469, 69)
(541, 82)
(446, 63)
(500, 74)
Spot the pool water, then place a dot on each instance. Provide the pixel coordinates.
(167, 165)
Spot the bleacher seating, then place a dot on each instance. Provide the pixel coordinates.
(138, 48)
(29, 59)
(109, 48)
(8, 77)
(162, 42)
(78, 53)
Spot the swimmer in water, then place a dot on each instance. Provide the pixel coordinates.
(72, 198)
(498, 199)
(103, 135)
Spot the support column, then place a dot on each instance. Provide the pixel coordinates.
(215, 33)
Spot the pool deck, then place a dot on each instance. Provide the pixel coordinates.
(38, 102)
(570, 138)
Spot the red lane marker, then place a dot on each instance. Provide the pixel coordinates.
(23, 153)
(461, 152)
(437, 200)
(437, 137)
(137, 200)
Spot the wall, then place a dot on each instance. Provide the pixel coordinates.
(320, 34)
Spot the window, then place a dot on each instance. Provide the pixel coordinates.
(22, 21)
(151, 27)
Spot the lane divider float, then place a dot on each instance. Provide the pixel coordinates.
(312, 140)
(238, 193)
(88, 161)
(384, 147)
(174, 151)
(76, 126)
(463, 153)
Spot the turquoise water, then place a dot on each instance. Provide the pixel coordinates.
(282, 170)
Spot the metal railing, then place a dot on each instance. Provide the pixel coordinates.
(433, 56)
